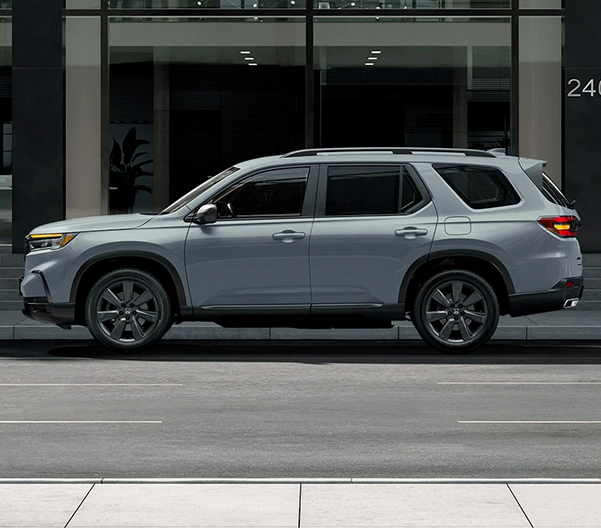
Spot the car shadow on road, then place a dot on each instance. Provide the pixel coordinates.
(316, 352)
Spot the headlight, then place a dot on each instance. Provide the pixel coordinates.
(49, 241)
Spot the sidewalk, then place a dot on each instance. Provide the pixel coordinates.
(292, 503)
(562, 325)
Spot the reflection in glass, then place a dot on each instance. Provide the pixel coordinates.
(541, 4)
(412, 4)
(429, 83)
(203, 96)
(206, 4)
(7, 131)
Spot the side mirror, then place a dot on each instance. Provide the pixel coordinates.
(207, 214)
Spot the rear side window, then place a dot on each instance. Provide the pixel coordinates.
(552, 193)
(370, 190)
(479, 187)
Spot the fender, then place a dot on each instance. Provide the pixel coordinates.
(179, 288)
(450, 253)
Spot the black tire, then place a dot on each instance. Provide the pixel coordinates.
(445, 322)
(128, 310)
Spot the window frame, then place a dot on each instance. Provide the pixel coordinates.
(413, 174)
(308, 206)
(435, 167)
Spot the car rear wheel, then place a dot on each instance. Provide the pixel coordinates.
(128, 310)
(456, 311)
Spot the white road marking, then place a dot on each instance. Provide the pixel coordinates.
(81, 422)
(529, 421)
(519, 382)
(91, 384)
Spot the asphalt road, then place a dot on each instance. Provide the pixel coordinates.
(270, 410)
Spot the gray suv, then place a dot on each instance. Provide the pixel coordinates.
(324, 238)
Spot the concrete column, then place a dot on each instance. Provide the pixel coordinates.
(541, 92)
(161, 130)
(38, 116)
(82, 117)
(583, 115)
(460, 113)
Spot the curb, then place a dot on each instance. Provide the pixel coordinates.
(300, 481)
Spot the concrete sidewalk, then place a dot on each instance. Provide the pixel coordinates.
(343, 503)
(562, 325)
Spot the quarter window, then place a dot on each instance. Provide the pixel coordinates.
(479, 187)
(273, 193)
(370, 190)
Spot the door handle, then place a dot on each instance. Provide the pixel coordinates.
(411, 232)
(288, 236)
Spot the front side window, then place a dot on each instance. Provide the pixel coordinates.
(479, 187)
(277, 192)
(370, 190)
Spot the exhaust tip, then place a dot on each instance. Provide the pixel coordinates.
(571, 303)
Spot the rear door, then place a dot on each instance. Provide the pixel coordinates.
(373, 221)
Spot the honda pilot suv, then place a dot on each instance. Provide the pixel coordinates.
(325, 238)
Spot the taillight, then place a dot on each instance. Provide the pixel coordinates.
(564, 226)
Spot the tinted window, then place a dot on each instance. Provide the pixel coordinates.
(552, 193)
(272, 193)
(479, 187)
(364, 190)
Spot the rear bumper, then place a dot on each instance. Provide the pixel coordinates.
(547, 301)
(39, 309)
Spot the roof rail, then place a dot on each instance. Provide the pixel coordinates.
(388, 150)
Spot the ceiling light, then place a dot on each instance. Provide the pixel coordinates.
(369, 64)
(372, 58)
(252, 63)
(249, 58)
(374, 52)
(245, 52)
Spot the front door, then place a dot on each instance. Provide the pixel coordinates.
(372, 222)
(257, 253)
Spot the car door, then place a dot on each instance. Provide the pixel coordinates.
(372, 222)
(257, 252)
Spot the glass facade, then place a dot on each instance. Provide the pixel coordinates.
(161, 94)
(431, 82)
(7, 134)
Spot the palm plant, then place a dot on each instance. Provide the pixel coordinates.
(125, 171)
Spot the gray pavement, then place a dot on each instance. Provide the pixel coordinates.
(562, 325)
(279, 412)
(301, 504)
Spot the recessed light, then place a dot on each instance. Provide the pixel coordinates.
(245, 52)
(374, 52)
(369, 64)
(372, 58)
(252, 63)
(249, 58)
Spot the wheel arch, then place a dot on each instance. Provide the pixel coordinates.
(484, 264)
(154, 264)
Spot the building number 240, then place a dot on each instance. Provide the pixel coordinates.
(591, 88)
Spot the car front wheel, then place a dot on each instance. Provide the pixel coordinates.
(128, 310)
(456, 311)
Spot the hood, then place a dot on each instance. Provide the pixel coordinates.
(94, 223)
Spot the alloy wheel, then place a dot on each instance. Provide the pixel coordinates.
(456, 312)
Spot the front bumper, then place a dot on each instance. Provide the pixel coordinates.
(547, 301)
(38, 308)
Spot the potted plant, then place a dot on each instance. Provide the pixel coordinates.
(125, 171)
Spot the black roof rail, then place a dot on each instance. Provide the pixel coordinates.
(391, 150)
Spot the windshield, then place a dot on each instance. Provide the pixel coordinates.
(194, 193)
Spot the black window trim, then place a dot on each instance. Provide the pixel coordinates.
(463, 201)
(308, 209)
(320, 205)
